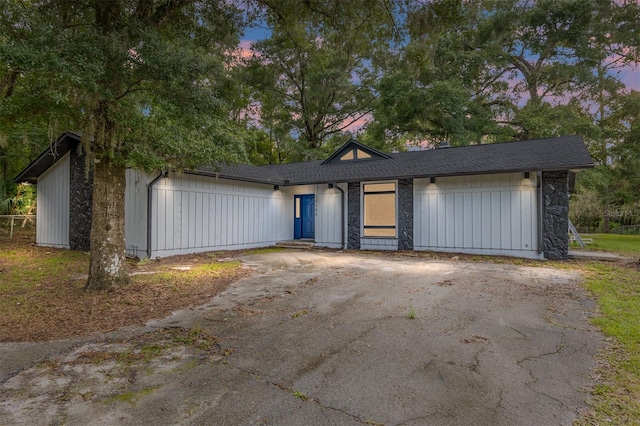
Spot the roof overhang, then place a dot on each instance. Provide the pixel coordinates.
(285, 176)
(65, 143)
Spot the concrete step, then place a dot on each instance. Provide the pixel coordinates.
(297, 244)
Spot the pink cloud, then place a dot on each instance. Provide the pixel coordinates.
(630, 76)
(241, 53)
(244, 49)
(352, 125)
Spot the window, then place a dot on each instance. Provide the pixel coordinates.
(379, 209)
(347, 156)
(354, 154)
(361, 154)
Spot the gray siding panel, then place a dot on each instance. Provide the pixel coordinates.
(491, 214)
(135, 212)
(196, 213)
(52, 226)
(328, 221)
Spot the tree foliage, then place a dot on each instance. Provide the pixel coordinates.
(485, 70)
(312, 77)
(144, 81)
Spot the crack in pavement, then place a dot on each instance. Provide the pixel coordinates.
(289, 389)
(529, 384)
(519, 332)
(561, 346)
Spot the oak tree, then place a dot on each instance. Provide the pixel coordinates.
(144, 81)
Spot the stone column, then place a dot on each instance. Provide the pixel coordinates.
(80, 201)
(405, 214)
(555, 219)
(353, 215)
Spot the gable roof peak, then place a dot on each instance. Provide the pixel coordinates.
(354, 146)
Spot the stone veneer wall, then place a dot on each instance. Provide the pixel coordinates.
(405, 214)
(80, 200)
(353, 215)
(555, 223)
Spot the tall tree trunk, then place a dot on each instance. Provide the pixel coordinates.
(107, 267)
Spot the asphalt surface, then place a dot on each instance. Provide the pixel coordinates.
(330, 338)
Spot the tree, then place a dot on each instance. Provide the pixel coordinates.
(270, 146)
(440, 85)
(24, 125)
(483, 70)
(312, 76)
(143, 80)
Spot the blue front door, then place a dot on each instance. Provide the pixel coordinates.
(304, 216)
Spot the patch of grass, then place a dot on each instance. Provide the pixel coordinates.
(195, 337)
(616, 398)
(34, 267)
(265, 250)
(300, 395)
(144, 262)
(216, 268)
(624, 244)
(132, 397)
(299, 313)
(412, 314)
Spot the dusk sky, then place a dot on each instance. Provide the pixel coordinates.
(628, 75)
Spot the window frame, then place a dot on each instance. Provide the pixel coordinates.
(363, 194)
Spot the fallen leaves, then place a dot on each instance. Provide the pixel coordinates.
(48, 306)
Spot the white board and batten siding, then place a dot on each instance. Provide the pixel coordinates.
(327, 212)
(52, 226)
(328, 221)
(195, 214)
(135, 212)
(485, 214)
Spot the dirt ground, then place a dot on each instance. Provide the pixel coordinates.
(329, 338)
(42, 296)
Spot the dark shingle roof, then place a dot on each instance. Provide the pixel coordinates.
(562, 153)
(65, 143)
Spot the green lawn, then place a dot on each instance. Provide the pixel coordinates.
(616, 396)
(624, 244)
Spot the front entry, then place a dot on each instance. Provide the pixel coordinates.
(304, 216)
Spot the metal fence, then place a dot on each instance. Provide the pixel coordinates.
(627, 229)
(11, 224)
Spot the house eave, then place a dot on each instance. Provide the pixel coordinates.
(235, 178)
(418, 176)
(65, 143)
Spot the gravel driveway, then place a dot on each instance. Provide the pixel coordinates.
(321, 338)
